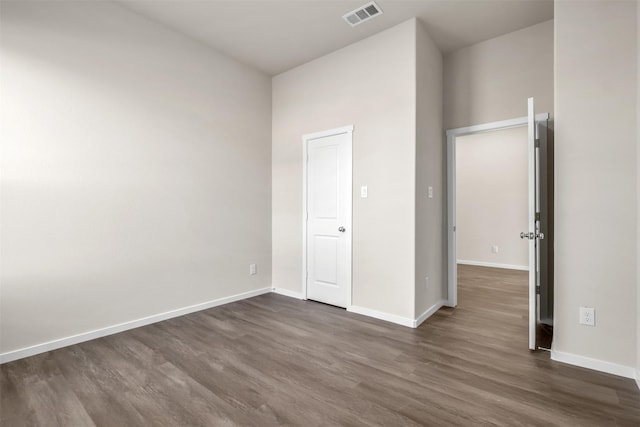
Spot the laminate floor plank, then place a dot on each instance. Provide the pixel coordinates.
(273, 360)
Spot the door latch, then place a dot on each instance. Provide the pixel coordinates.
(531, 235)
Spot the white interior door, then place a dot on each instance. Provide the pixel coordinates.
(533, 234)
(328, 217)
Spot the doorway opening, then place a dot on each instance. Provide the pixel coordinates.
(498, 186)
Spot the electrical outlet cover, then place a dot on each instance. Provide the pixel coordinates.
(588, 316)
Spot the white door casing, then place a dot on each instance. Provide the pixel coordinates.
(327, 231)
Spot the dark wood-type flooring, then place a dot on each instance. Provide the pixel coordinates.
(272, 360)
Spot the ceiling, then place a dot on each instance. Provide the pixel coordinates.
(276, 35)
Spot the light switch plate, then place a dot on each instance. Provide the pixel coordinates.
(364, 192)
(430, 192)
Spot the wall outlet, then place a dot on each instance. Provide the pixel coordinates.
(364, 192)
(430, 192)
(588, 316)
(494, 249)
(426, 283)
(253, 269)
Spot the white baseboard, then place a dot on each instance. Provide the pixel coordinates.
(638, 378)
(404, 321)
(288, 293)
(494, 265)
(595, 364)
(121, 327)
(430, 312)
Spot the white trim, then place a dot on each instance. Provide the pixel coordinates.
(452, 271)
(494, 265)
(638, 378)
(452, 134)
(399, 320)
(125, 326)
(305, 141)
(595, 364)
(325, 133)
(288, 293)
(502, 124)
(430, 312)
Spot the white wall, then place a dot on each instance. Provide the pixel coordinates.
(370, 84)
(491, 197)
(135, 171)
(596, 175)
(492, 80)
(430, 228)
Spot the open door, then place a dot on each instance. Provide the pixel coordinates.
(536, 134)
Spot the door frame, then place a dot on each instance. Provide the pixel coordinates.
(306, 138)
(452, 134)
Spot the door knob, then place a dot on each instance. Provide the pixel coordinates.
(341, 229)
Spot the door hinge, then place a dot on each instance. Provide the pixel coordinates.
(537, 289)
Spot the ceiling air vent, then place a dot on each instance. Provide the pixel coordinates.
(363, 13)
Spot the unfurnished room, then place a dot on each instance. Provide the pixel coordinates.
(319, 213)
